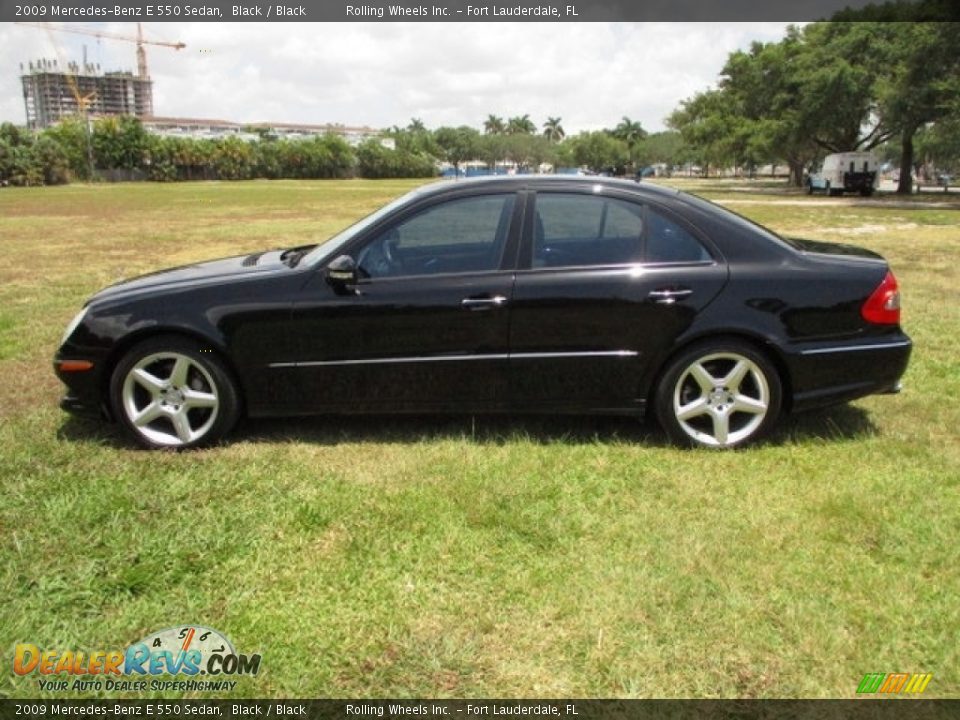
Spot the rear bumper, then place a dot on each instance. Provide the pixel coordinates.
(826, 374)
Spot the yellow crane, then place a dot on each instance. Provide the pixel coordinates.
(140, 41)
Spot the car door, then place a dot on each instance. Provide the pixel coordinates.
(426, 326)
(605, 284)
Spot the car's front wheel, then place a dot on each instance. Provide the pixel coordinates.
(719, 394)
(168, 392)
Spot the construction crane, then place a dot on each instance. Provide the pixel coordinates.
(142, 71)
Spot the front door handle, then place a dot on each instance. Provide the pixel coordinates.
(483, 303)
(668, 296)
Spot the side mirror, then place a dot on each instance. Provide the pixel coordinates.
(342, 271)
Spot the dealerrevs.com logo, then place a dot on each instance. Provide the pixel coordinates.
(894, 683)
(192, 651)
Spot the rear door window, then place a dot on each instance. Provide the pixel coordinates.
(587, 230)
(670, 242)
(573, 230)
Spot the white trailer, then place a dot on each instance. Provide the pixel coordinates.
(846, 172)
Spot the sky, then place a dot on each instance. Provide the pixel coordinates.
(383, 74)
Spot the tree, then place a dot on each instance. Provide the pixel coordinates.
(119, 142)
(232, 159)
(837, 70)
(562, 154)
(665, 147)
(492, 149)
(416, 125)
(830, 87)
(938, 145)
(922, 87)
(553, 130)
(415, 142)
(521, 125)
(528, 151)
(73, 136)
(457, 145)
(630, 132)
(707, 124)
(376, 161)
(494, 125)
(600, 151)
(760, 90)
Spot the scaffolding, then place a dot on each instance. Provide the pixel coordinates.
(51, 93)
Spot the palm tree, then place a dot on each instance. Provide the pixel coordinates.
(553, 130)
(632, 133)
(416, 125)
(629, 131)
(521, 125)
(493, 125)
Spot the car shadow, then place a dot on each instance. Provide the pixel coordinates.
(481, 429)
(92, 431)
(840, 422)
(844, 422)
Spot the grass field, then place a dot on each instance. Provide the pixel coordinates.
(487, 558)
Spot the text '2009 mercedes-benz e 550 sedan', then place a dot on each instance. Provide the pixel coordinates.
(518, 294)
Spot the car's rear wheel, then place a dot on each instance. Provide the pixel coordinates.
(168, 392)
(719, 394)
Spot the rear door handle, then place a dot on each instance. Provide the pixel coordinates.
(668, 296)
(483, 303)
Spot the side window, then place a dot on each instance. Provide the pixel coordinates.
(668, 242)
(463, 235)
(576, 230)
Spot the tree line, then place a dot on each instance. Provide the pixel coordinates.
(120, 148)
(837, 86)
(857, 82)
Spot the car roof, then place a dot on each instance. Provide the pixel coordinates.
(537, 182)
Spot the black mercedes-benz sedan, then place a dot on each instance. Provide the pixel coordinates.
(519, 294)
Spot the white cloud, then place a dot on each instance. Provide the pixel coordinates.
(382, 74)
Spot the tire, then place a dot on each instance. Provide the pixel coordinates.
(720, 393)
(169, 392)
(809, 188)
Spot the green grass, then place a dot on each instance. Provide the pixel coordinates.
(502, 557)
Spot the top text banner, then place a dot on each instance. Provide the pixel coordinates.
(421, 10)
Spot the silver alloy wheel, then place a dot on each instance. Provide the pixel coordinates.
(170, 399)
(721, 399)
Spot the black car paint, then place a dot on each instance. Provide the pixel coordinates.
(565, 340)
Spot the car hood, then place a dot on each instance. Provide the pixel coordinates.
(209, 270)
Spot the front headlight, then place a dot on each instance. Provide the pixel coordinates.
(73, 325)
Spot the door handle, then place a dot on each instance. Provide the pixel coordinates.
(668, 296)
(483, 303)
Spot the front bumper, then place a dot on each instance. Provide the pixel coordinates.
(85, 390)
(77, 406)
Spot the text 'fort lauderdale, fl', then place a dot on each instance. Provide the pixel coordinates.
(469, 12)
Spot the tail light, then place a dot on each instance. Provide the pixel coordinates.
(883, 305)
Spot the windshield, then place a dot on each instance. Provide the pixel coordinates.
(331, 246)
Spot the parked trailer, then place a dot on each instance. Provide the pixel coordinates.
(846, 172)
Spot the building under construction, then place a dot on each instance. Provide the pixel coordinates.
(51, 93)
